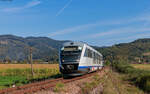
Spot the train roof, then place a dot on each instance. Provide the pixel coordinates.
(73, 44)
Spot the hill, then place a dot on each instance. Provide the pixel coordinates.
(44, 48)
(17, 48)
(136, 51)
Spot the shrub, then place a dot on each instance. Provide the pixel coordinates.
(107, 63)
(141, 78)
(144, 82)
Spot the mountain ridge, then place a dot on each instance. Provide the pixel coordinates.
(17, 48)
(131, 52)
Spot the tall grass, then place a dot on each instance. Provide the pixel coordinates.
(24, 66)
(141, 66)
(27, 72)
(9, 77)
(139, 77)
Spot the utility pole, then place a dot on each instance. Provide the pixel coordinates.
(31, 62)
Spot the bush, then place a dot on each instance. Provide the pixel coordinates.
(107, 63)
(139, 77)
(143, 82)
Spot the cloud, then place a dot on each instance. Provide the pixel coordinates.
(144, 22)
(32, 4)
(144, 19)
(134, 25)
(82, 27)
(141, 32)
(72, 29)
(62, 9)
(28, 5)
(118, 31)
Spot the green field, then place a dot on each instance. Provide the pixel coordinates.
(19, 74)
(141, 66)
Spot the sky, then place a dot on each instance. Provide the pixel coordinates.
(97, 22)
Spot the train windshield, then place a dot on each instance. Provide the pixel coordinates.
(70, 54)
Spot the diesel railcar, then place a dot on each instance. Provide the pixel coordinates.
(77, 58)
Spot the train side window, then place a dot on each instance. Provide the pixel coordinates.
(90, 53)
(98, 59)
(101, 59)
(86, 52)
(95, 57)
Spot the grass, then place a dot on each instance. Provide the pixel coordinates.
(7, 81)
(110, 83)
(25, 66)
(115, 83)
(141, 66)
(139, 77)
(19, 74)
(59, 87)
(86, 87)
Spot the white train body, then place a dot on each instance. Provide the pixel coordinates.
(76, 58)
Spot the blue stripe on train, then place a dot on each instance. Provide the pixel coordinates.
(81, 67)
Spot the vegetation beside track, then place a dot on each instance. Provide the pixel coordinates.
(114, 83)
(105, 82)
(59, 87)
(139, 77)
(16, 76)
(141, 66)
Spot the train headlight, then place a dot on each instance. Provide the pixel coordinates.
(80, 48)
(62, 48)
(63, 60)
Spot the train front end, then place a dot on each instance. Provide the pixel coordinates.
(69, 58)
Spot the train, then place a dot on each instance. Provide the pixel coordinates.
(78, 58)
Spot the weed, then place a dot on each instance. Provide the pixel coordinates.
(96, 77)
(59, 87)
(87, 86)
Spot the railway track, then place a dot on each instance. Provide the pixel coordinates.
(43, 85)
